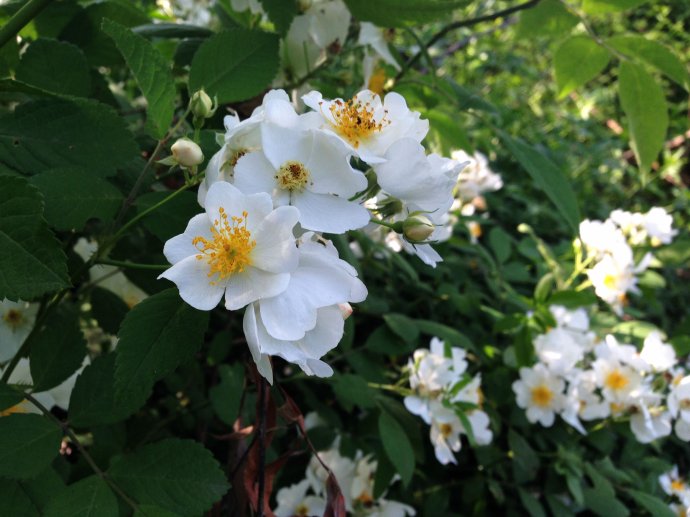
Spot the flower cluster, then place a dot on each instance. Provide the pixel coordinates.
(356, 481)
(611, 246)
(582, 378)
(447, 398)
(676, 487)
(278, 181)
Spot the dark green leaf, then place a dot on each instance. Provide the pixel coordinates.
(448, 334)
(55, 66)
(152, 73)
(602, 498)
(177, 475)
(31, 260)
(156, 336)
(280, 12)
(652, 504)
(171, 30)
(654, 54)
(398, 13)
(547, 176)
(51, 133)
(403, 326)
(226, 395)
(90, 497)
(645, 106)
(235, 65)
(397, 446)
(578, 60)
(547, 18)
(73, 196)
(171, 218)
(58, 349)
(9, 396)
(609, 6)
(525, 460)
(531, 503)
(108, 309)
(28, 443)
(500, 244)
(353, 389)
(147, 510)
(28, 498)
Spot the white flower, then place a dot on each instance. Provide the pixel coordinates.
(582, 402)
(294, 501)
(614, 276)
(385, 508)
(445, 433)
(372, 36)
(659, 355)
(679, 399)
(558, 350)
(239, 248)
(682, 429)
(620, 384)
(343, 469)
(476, 178)
(600, 237)
(16, 321)
(480, 422)
(673, 484)
(658, 225)
(254, 6)
(309, 170)
(575, 322)
(366, 124)
(362, 489)
(650, 421)
(540, 392)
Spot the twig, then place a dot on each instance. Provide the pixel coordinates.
(132, 265)
(22, 17)
(262, 446)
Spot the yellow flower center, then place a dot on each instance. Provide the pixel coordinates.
(292, 175)
(14, 409)
(541, 395)
(354, 120)
(610, 281)
(366, 499)
(302, 510)
(616, 380)
(13, 318)
(446, 430)
(677, 485)
(229, 251)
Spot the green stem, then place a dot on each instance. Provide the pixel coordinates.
(22, 17)
(391, 387)
(82, 450)
(131, 265)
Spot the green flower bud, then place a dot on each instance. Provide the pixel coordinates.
(417, 228)
(202, 106)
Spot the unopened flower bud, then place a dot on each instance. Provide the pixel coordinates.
(202, 105)
(187, 153)
(417, 228)
(345, 310)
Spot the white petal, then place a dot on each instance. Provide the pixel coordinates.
(275, 249)
(191, 277)
(285, 144)
(254, 173)
(180, 247)
(330, 169)
(325, 213)
(253, 284)
(234, 202)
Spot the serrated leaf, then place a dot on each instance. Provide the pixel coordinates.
(645, 106)
(654, 54)
(52, 133)
(58, 349)
(156, 336)
(152, 73)
(73, 196)
(31, 260)
(547, 176)
(89, 497)
(610, 6)
(55, 66)
(399, 13)
(235, 65)
(397, 446)
(28, 443)
(93, 397)
(178, 475)
(28, 498)
(578, 60)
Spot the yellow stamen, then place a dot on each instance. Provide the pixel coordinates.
(541, 395)
(354, 120)
(230, 250)
(610, 281)
(302, 510)
(677, 485)
(14, 409)
(292, 175)
(616, 380)
(446, 430)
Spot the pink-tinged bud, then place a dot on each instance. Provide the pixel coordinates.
(187, 153)
(345, 310)
(417, 228)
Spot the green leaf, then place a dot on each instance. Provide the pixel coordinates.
(500, 243)
(353, 389)
(403, 326)
(28, 443)
(547, 176)
(525, 460)
(281, 13)
(178, 475)
(226, 396)
(172, 217)
(547, 18)
(610, 6)
(152, 73)
(156, 336)
(73, 196)
(9, 396)
(645, 106)
(90, 497)
(51, 133)
(93, 397)
(148, 510)
(28, 498)
(531, 503)
(398, 13)
(171, 30)
(652, 504)
(235, 65)
(31, 260)
(108, 309)
(602, 498)
(58, 349)
(578, 60)
(448, 334)
(55, 66)
(397, 446)
(654, 54)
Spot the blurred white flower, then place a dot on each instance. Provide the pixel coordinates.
(650, 421)
(16, 321)
(540, 392)
(445, 433)
(658, 224)
(659, 355)
(476, 178)
(294, 501)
